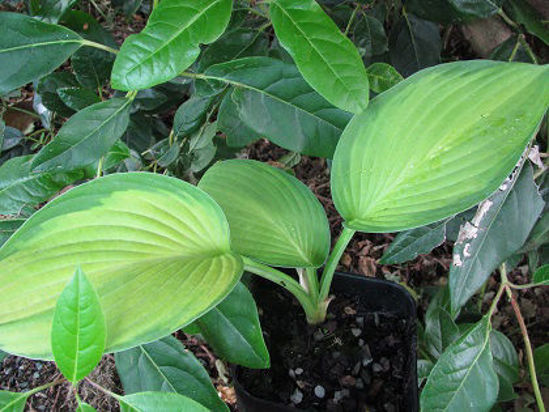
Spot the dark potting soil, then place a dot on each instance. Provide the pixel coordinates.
(355, 361)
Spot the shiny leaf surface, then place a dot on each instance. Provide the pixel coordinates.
(166, 366)
(159, 401)
(232, 329)
(499, 229)
(85, 137)
(79, 331)
(328, 60)
(32, 48)
(169, 43)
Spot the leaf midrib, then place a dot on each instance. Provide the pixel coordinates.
(42, 44)
(86, 137)
(313, 46)
(173, 37)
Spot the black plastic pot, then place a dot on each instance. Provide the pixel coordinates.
(379, 296)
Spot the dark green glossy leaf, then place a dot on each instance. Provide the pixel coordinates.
(201, 148)
(169, 43)
(273, 217)
(149, 99)
(369, 37)
(463, 378)
(166, 366)
(78, 332)
(242, 42)
(77, 98)
(85, 137)
(12, 401)
(159, 401)
(21, 188)
(92, 66)
(414, 44)
(48, 87)
(273, 100)
(513, 50)
(541, 276)
(3, 355)
(8, 227)
(191, 115)
(424, 368)
(450, 11)
(499, 229)
(408, 245)
(396, 162)
(523, 13)
(506, 364)
(382, 77)
(232, 329)
(50, 10)
(229, 122)
(440, 330)
(541, 359)
(32, 48)
(328, 60)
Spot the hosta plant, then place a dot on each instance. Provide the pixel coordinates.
(118, 263)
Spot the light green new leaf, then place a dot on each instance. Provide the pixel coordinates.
(424, 150)
(274, 218)
(84, 407)
(166, 366)
(328, 60)
(30, 49)
(506, 364)
(13, 401)
(382, 77)
(169, 43)
(159, 401)
(541, 275)
(85, 137)
(272, 99)
(21, 189)
(463, 378)
(498, 230)
(151, 245)
(232, 329)
(78, 331)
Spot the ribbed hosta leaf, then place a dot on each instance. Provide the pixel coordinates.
(169, 43)
(327, 59)
(30, 49)
(274, 218)
(436, 143)
(156, 250)
(272, 99)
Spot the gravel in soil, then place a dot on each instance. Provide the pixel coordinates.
(357, 360)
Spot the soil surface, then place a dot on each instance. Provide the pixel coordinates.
(357, 360)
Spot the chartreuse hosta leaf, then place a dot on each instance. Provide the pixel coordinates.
(78, 332)
(152, 246)
(274, 218)
(327, 59)
(30, 49)
(463, 377)
(436, 143)
(170, 42)
(166, 366)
